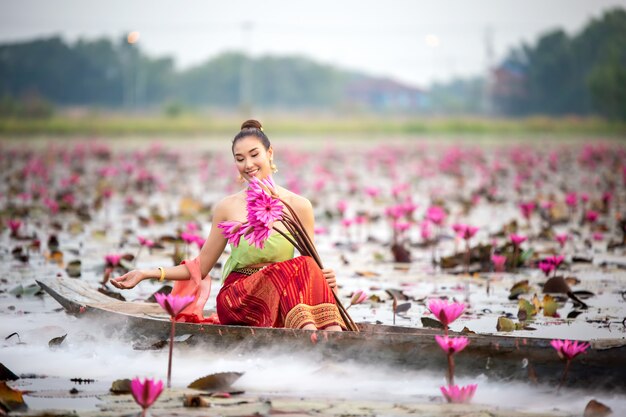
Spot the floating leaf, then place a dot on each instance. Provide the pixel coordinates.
(6, 374)
(432, 323)
(583, 294)
(505, 325)
(556, 285)
(111, 294)
(216, 382)
(56, 341)
(573, 314)
(367, 274)
(518, 289)
(11, 399)
(596, 409)
(397, 294)
(526, 255)
(549, 306)
(57, 257)
(120, 386)
(571, 281)
(526, 310)
(73, 269)
(403, 308)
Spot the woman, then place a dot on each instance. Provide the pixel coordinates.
(260, 287)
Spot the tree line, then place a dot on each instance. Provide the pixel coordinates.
(583, 74)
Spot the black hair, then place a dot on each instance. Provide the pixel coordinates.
(252, 128)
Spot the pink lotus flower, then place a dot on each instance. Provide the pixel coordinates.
(546, 267)
(347, 222)
(517, 240)
(459, 395)
(597, 236)
(425, 231)
(358, 297)
(465, 231)
(607, 196)
(555, 260)
(372, 191)
(342, 206)
(264, 209)
(436, 214)
(113, 259)
(232, 231)
(562, 238)
(584, 197)
(188, 237)
(568, 349)
(452, 345)
(498, 262)
(52, 205)
(173, 304)
(401, 226)
(527, 209)
(444, 312)
(591, 216)
(145, 393)
(14, 225)
(145, 241)
(571, 199)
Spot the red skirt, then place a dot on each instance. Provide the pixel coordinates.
(291, 294)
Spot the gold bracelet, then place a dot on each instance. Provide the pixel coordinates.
(162, 274)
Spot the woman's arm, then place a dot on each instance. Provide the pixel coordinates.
(209, 254)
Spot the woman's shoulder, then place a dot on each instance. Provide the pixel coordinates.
(228, 203)
(297, 201)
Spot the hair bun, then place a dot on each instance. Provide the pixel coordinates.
(254, 124)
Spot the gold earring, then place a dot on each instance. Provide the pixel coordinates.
(273, 167)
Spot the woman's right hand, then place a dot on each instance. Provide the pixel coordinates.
(128, 280)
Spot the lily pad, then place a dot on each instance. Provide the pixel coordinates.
(120, 386)
(432, 323)
(56, 341)
(11, 399)
(73, 269)
(549, 306)
(216, 382)
(505, 325)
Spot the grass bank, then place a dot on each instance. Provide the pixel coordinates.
(188, 125)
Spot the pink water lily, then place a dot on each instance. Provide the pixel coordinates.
(571, 199)
(498, 262)
(358, 297)
(113, 259)
(562, 238)
(145, 393)
(568, 349)
(173, 304)
(143, 241)
(517, 240)
(546, 267)
(465, 231)
(436, 214)
(459, 395)
(232, 230)
(14, 225)
(264, 209)
(591, 216)
(444, 312)
(452, 345)
(527, 209)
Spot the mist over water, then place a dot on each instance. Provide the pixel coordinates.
(90, 353)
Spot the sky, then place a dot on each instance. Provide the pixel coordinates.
(412, 41)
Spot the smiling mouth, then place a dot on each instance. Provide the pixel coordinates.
(251, 173)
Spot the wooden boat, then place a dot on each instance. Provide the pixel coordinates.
(498, 357)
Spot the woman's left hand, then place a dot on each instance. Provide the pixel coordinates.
(330, 277)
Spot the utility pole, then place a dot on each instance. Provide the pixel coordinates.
(245, 75)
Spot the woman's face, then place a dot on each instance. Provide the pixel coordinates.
(251, 158)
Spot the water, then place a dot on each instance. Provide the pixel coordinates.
(89, 353)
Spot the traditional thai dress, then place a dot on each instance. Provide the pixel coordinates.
(291, 292)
